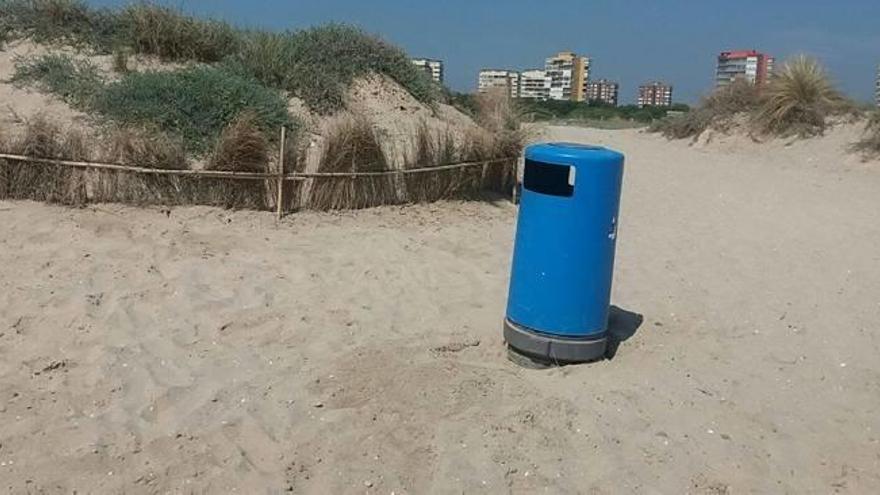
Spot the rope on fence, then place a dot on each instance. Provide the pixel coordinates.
(218, 174)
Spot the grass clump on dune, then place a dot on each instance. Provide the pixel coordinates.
(717, 111)
(195, 103)
(144, 27)
(60, 21)
(242, 146)
(164, 32)
(798, 100)
(319, 64)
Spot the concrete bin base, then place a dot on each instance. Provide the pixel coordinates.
(553, 349)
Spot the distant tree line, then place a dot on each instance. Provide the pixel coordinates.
(595, 110)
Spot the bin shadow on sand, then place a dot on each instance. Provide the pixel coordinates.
(622, 326)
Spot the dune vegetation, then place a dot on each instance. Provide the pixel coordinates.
(799, 100)
(315, 64)
(214, 96)
(194, 103)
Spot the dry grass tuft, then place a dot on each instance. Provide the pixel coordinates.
(139, 147)
(497, 111)
(431, 150)
(165, 32)
(798, 100)
(43, 138)
(717, 111)
(352, 146)
(502, 117)
(500, 176)
(149, 148)
(242, 146)
(869, 145)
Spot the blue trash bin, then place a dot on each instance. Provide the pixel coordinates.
(563, 262)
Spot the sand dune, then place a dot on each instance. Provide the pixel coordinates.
(194, 350)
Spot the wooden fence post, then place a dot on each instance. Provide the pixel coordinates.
(280, 200)
(4, 165)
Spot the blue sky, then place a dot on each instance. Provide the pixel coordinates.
(631, 41)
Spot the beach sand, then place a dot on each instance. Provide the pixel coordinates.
(195, 350)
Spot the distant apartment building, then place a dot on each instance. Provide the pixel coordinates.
(655, 94)
(535, 85)
(433, 67)
(495, 79)
(602, 91)
(568, 74)
(749, 65)
(877, 88)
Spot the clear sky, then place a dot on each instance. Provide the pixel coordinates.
(631, 41)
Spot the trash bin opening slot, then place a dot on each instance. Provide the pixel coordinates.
(550, 179)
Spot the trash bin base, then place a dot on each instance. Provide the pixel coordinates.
(553, 349)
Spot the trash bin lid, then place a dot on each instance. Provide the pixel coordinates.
(553, 152)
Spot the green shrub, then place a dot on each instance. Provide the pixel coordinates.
(318, 64)
(195, 103)
(76, 82)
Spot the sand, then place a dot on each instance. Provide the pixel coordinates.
(194, 350)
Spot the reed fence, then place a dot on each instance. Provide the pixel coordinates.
(52, 180)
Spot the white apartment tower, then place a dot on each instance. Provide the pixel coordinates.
(535, 84)
(495, 79)
(434, 68)
(568, 74)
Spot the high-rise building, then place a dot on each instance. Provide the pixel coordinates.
(877, 88)
(494, 79)
(535, 85)
(602, 91)
(655, 94)
(749, 65)
(568, 74)
(433, 67)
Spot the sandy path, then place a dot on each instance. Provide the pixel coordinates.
(205, 351)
